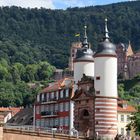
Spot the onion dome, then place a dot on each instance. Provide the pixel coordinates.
(84, 53)
(106, 47)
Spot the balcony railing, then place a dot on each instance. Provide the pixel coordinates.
(49, 101)
(49, 113)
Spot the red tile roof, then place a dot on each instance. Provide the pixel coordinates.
(14, 110)
(56, 85)
(123, 106)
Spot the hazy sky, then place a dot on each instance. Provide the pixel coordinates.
(56, 4)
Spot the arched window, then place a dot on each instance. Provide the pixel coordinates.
(85, 113)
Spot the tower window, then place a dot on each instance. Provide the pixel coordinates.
(97, 110)
(97, 77)
(97, 92)
(86, 113)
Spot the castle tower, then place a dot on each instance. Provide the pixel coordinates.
(105, 79)
(84, 61)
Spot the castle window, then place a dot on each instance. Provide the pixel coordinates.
(97, 77)
(86, 113)
(97, 122)
(86, 101)
(97, 92)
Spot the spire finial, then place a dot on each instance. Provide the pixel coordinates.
(106, 30)
(85, 42)
(85, 27)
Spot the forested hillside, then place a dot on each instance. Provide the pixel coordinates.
(31, 35)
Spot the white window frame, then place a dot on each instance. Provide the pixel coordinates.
(122, 118)
(128, 118)
(56, 107)
(42, 122)
(37, 123)
(52, 95)
(122, 131)
(61, 93)
(61, 107)
(57, 95)
(42, 108)
(37, 109)
(66, 106)
(67, 93)
(67, 121)
(61, 121)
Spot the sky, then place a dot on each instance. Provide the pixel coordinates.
(56, 4)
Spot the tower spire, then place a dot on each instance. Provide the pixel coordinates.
(85, 42)
(106, 37)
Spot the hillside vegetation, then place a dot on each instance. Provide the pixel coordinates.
(31, 35)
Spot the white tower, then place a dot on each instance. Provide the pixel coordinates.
(84, 61)
(106, 89)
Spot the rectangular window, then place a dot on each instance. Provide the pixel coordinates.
(122, 118)
(42, 108)
(37, 109)
(61, 94)
(128, 118)
(38, 123)
(42, 123)
(47, 96)
(57, 95)
(52, 95)
(47, 123)
(97, 92)
(61, 121)
(56, 107)
(47, 108)
(61, 107)
(66, 121)
(56, 122)
(97, 77)
(122, 131)
(42, 98)
(51, 107)
(38, 98)
(66, 106)
(67, 93)
(51, 122)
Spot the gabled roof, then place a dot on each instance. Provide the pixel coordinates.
(63, 83)
(14, 110)
(129, 50)
(80, 92)
(123, 106)
(23, 117)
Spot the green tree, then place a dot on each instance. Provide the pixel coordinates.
(135, 122)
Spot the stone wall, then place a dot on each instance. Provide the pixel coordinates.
(10, 134)
(1, 133)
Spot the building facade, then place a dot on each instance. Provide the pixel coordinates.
(85, 113)
(53, 107)
(128, 61)
(124, 113)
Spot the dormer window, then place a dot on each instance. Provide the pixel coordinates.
(124, 105)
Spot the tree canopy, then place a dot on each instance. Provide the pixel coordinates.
(31, 35)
